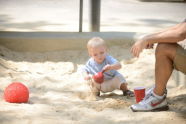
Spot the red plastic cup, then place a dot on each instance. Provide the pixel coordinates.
(139, 93)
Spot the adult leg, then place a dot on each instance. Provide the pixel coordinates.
(165, 54)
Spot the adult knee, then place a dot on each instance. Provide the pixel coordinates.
(162, 49)
(166, 50)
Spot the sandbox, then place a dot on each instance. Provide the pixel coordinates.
(58, 93)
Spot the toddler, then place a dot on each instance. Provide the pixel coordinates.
(100, 61)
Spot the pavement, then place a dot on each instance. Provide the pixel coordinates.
(63, 15)
(50, 25)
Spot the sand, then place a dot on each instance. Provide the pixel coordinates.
(58, 93)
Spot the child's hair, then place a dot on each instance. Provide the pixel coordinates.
(95, 41)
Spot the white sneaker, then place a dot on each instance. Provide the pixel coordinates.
(151, 103)
(150, 91)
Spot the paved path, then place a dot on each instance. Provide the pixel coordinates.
(63, 15)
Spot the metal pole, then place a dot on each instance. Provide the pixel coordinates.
(95, 15)
(80, 15)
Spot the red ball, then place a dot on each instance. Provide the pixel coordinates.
(99, 77)
(16, 92)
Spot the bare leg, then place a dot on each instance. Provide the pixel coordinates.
(126, 91)
(123, 87)
(94, 89)
(165, 54)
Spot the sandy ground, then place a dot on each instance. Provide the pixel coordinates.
(58, 94)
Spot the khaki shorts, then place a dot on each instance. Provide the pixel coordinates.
(109, 85)
(180, 59)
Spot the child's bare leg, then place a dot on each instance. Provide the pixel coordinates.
(126, 91)
(123, 87)
(95, 89)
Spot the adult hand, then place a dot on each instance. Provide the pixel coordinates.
(139, 46)
(150, 46)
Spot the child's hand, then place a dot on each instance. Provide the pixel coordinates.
(107, 67)
(87, 77)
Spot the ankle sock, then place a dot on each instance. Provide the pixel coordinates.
(157, 96)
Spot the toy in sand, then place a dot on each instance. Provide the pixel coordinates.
(16, 92)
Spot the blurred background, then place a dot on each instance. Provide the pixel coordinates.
(142, 16)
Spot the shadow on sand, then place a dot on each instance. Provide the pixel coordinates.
(177, 104)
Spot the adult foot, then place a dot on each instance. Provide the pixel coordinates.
(151, 102)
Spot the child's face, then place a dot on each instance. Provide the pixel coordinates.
(98, 53)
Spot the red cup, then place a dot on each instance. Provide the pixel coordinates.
(139, 93)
